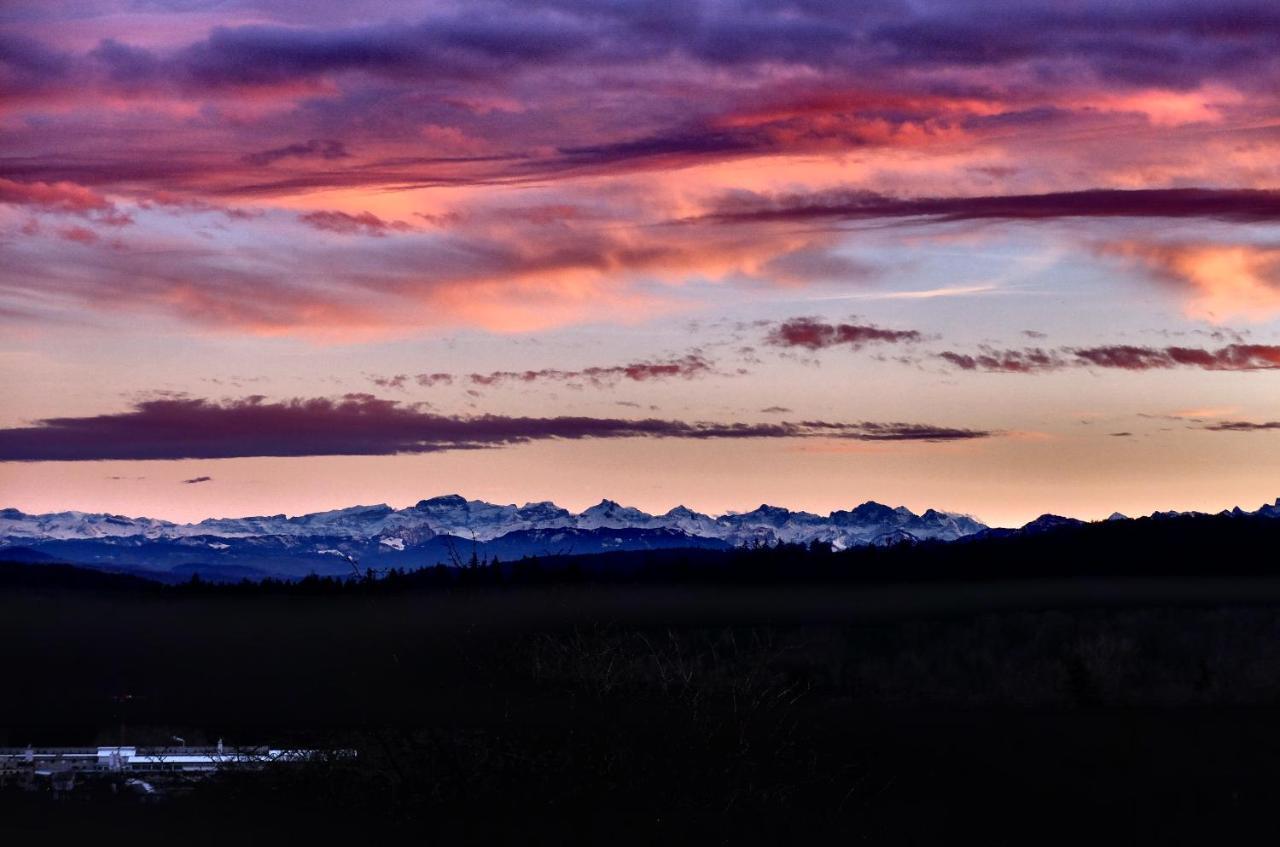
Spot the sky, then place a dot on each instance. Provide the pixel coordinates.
(1001, 258)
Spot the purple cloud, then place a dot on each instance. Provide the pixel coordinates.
(363, 425)
(1243, 426)
(991, 360)
(687, 367)
(813, 334)
(1240, 205)
(1233, 357)
(363, 223)
(316, 148)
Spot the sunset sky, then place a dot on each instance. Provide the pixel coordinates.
(1001, 258)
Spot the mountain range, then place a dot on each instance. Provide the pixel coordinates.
(453, 530)
(448, 529)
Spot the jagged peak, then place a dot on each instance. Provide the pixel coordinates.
(607, 505)
(451, 500)
(376, 508)
(280, 517)
(872, 506)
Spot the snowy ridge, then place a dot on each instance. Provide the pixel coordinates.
(476, 520)
(480, 521)
(452, 529)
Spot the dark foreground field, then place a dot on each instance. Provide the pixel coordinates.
(1139, 710)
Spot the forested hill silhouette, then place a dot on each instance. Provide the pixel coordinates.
(1187, 546)
(25, 575)
(741, 695)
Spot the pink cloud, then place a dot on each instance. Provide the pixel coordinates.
(61, 198)
(1220, 281)
(79, 234)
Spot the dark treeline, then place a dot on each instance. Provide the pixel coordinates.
(21, 575)
(1022, 688)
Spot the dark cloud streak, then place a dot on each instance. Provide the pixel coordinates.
(1243, 426)
(363, 425)
(688, 367)
(1005, 361)
(344, 223)
(316, 148)
(813, 334)
(1233, 357)
(1236, 205)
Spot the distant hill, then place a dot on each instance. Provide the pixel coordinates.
(27, 575)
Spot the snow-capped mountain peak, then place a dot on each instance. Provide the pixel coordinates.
(608, 513)
(455, 516)
(451, 527)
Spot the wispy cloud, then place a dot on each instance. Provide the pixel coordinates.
(687, 367)
(1233, 357)
(316, 148)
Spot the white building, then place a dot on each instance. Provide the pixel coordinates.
(106, 760)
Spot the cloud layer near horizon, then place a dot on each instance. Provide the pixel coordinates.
(363, 425)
